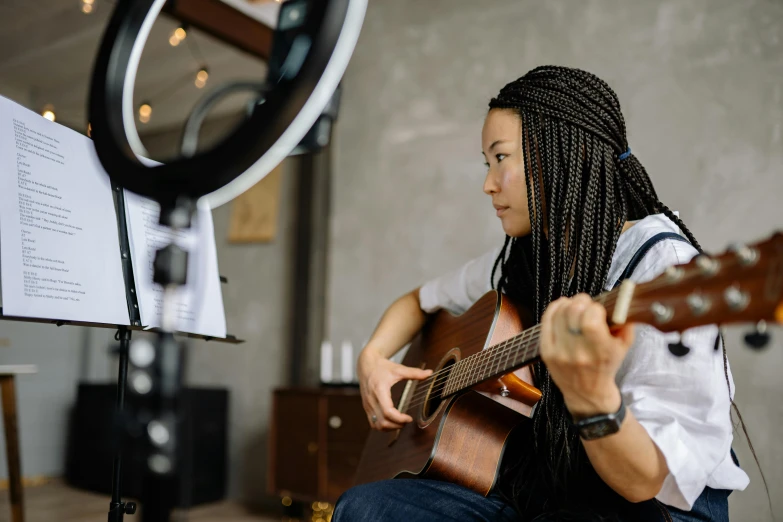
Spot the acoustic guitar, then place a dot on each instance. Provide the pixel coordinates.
(480, 387)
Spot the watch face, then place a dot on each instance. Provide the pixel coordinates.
(599, 429)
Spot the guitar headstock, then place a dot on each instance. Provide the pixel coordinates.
(744, 284)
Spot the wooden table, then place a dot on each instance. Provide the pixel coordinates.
(8, 374)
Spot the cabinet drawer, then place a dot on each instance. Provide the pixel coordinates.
(295, 445)
(346, 422)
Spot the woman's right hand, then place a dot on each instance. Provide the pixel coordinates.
(377, 375)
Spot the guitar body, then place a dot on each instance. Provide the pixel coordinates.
(460, 439)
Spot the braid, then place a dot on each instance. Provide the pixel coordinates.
(579, 197)
(650, 198)
(500, 261)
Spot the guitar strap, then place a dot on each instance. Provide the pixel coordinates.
(639, 255)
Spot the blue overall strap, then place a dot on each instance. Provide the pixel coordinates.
(637, 257)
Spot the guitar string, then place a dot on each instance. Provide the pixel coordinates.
(606, 299)
(479, 372)
(505, 348)
(499, 350)
(488, 364)
(490, 355)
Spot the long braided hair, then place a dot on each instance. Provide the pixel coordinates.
(583, 184)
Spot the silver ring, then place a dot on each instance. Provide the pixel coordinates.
(574, 331)
(374, 418)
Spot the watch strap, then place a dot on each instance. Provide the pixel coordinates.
(597, 426)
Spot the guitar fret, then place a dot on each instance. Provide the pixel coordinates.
(493, 360)
(473, 365)
(465, 372)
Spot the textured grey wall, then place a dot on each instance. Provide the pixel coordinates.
(64, 356)
(701, 85)
(255, 301)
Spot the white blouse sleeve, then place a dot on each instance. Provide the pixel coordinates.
(682, 402)
(459, 289)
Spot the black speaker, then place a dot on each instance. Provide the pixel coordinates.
(203, 439)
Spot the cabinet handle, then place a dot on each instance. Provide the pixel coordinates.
(335, 422)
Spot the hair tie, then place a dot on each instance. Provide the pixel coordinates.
(625, 154)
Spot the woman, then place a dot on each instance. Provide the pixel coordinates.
(576, 206)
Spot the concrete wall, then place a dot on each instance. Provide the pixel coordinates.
(64, 356)
(256, 306)
(701, 85)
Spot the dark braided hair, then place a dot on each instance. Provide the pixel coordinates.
(580, 194)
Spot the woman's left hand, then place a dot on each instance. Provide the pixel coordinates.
(582, 355)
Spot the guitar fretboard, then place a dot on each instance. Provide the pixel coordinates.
(515, 352)
(501, 358)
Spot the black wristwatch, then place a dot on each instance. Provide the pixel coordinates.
(597, 426)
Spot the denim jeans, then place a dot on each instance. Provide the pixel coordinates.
(420, 500)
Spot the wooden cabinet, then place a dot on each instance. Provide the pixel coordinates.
(317, 436)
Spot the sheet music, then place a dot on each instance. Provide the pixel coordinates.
(200, 303)
(59, 244)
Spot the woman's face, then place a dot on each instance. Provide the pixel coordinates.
(501, 144)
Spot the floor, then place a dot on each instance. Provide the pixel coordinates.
(56, 501)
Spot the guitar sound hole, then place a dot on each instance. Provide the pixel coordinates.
(435, 393)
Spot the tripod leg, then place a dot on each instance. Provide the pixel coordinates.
(117, 506)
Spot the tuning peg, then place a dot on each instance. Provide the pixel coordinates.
(678, 348)
(746, 255)
(707, 265)
(758, 338)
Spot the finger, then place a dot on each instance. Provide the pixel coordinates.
(408, 372)
(626, 334)
(572, 316)
(389, 426)
(371, 410)
(390, 413)
(381, 423)
(593, 324)
(548, 337)
(560, 322)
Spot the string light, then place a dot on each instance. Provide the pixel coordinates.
(145, 111)
(201, 78)
(48, 112)
(177, 36)
(87, 6)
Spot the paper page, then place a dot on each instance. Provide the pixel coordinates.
(59, 243)
(200, 303)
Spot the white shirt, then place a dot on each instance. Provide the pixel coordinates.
(682, 402)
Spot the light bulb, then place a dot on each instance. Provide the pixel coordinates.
(145, 111)
(201, 78)
(48, 112)
(177, 36)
